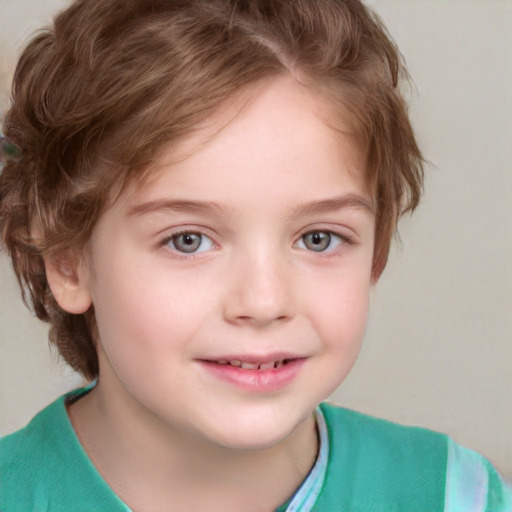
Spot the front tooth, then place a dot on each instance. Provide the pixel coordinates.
(278, 364)
(235, 362)
(222, 361)
(267, 366)
(250, 366)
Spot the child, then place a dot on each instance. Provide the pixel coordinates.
(206, 193)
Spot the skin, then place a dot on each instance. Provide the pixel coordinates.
(163, 430)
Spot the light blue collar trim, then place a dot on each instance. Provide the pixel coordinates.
(308, 492)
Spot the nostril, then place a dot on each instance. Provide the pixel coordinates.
(259, 320)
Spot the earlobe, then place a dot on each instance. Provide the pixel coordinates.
(69, 281)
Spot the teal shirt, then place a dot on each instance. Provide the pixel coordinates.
(376, 465)
(366, 465)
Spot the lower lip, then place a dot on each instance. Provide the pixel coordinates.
(258, 381)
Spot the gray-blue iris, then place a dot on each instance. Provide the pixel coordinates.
(188, 242)
(317, 240)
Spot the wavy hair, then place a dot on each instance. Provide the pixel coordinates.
(96, 96)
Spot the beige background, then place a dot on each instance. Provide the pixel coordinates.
(438, 350)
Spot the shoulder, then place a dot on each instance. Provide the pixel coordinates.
(23, 448)
(375, 464)
(43, 467)
(473, 484)
(22, 455)
(380, 465)
(384, 440)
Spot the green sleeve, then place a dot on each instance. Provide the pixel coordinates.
(473, 484)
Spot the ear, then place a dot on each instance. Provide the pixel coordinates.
(69, 279)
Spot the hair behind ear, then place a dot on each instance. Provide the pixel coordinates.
(77, 349)
(70, 312)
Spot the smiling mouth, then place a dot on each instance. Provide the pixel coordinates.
(269, 365)
(253, 373)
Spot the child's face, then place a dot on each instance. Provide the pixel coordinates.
(256, 248)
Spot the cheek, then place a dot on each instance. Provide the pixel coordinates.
(338, 318)
(342, 313)
(149, 307)
(141, 333)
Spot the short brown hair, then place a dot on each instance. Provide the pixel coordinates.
(98, 95)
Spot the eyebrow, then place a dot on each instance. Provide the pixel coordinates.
(179, 205)
(347, 201)
(351, 201)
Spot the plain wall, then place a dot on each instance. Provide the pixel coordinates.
(438, 350)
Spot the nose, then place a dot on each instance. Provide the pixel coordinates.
(261, 290)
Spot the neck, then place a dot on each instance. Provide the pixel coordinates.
(151, 465)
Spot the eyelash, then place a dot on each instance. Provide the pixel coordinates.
(344, 240)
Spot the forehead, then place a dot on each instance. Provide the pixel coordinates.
(264, 136)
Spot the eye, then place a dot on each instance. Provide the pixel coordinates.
(319, 241)
(189, 242)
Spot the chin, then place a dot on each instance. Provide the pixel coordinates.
(252, 434)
